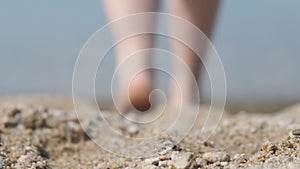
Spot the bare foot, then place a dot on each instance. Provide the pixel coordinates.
(137, 94)
(139, 91)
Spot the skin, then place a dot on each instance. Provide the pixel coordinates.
(201, 13)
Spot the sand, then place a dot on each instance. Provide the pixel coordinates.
(45, 133)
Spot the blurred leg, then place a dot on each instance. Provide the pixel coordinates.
(140, 87)
(202, 14)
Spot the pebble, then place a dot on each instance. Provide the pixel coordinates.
(163, 158)
(24, 161)
(166, 147)
(54, 118)
(2, 162)
(201, 162)
(32, 119)
(13, 112)
(241, 158)
(163, 164)
(269, 147)
(11, 117)
(152, 161)
(224, 163)
(149, 167)
(253, 130)
(168, 143)
(181, 159)
(75, 133)
(28, 149)
(133, 129)
(216, 164)
(209, 144)
(296, 132)
(9, 122)
(216, 156)
(128, 168)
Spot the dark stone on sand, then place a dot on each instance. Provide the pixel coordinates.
(296, 132)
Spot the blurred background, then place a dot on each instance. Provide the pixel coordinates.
(258, 42)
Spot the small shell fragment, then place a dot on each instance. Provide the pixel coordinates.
(296, 132)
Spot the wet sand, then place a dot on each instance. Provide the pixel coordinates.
(43, 132)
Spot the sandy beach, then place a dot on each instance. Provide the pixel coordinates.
(44, 133)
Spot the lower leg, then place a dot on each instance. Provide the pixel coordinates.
(201, 13)
(140, 87)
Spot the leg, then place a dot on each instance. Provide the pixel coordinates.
(140, 86)
(201, 13)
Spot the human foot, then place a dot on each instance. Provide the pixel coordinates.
(137, 94)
